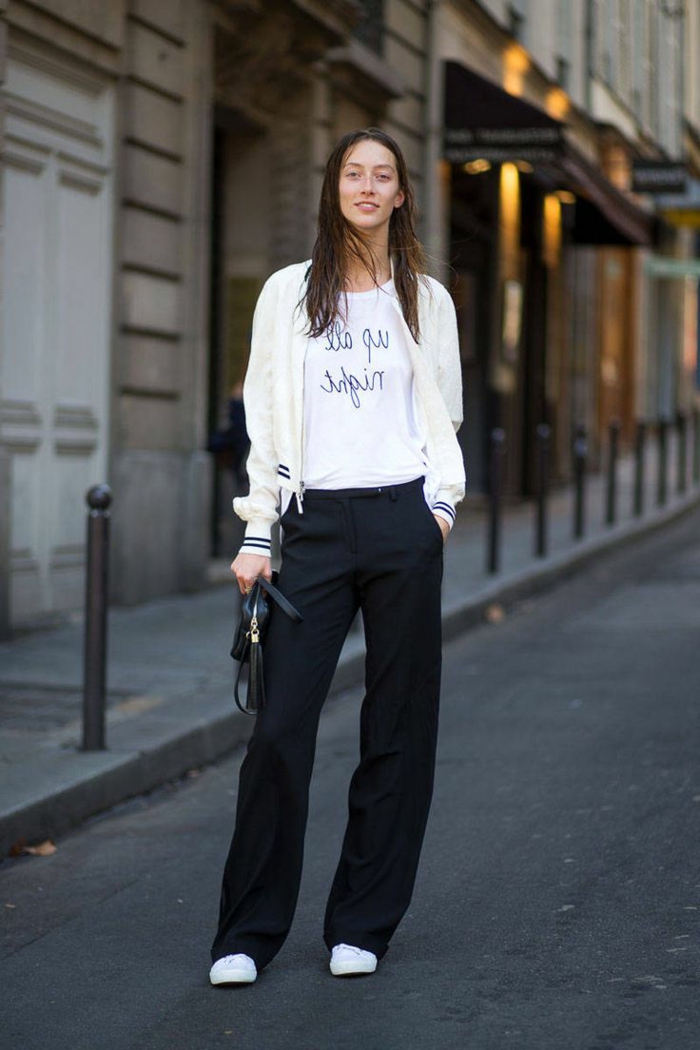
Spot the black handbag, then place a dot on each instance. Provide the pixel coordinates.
(247, 647)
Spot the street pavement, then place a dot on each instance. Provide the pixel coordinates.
(558, 896)
(169, 676)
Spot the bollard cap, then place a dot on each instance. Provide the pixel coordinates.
(99, 497)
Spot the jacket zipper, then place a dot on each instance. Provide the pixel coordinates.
(300, 491)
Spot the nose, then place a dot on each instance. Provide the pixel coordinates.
(367, 185)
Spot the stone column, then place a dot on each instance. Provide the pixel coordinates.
(159, 469)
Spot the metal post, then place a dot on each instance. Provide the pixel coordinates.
(662, 486)
(498, 438)
(580, 455)
(611, 493)
(696, 446)
(682, 483)
(543, 434)
(640, 439)
(98, 499)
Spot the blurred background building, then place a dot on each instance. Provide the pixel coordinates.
(161, 157)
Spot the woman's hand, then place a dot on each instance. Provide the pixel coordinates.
(247, 567)
(444, 527)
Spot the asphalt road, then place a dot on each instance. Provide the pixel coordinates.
(559, 893)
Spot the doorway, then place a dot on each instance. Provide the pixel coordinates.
(240, 239)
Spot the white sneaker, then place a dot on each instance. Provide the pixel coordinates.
(233, 969)
(347, 960)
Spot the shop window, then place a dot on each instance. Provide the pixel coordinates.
(370, 30)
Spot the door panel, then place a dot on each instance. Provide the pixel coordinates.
(55, 326)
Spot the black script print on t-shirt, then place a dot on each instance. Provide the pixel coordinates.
(348, 383)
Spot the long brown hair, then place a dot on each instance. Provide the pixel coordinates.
(338, 242)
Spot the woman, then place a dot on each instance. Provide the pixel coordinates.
(352, 396)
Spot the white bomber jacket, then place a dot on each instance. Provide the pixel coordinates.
(273, 394)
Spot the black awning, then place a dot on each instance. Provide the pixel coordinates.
(604, 214)
(482, 120)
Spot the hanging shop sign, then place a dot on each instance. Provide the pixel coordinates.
(688, 217)
(667, 266)
(658, 177)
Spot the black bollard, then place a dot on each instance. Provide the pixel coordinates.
(639, 441)
(543, 434)
(98, 498)
(580, 455)
(682, 483)
(696, 446)
(662, 481)
(611, 488)
(498, 439)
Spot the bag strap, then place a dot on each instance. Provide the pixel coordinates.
(277, 596)
(236, 697)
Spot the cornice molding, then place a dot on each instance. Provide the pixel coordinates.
(369, 74)
(266, 52)
(339, 17)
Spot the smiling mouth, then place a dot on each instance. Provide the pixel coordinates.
(366, 204)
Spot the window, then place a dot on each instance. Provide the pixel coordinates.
(563, 72)
(623, 30)
(652, 64)
(516, 22)
(564, 41)
(370, 30)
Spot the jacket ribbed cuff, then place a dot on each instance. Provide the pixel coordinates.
(444, 509)
(257, 539)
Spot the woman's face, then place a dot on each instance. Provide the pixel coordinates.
(369, 186)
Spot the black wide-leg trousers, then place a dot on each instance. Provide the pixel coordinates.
(378, 550)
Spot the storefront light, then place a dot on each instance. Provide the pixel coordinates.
(476, 167)
(565, 196)
(516, 63)
(558, 104)
(510, 220)
(524, 167)
(551, 230)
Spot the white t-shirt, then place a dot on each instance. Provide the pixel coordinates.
(360, 420)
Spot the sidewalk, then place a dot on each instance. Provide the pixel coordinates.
(170, 675)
